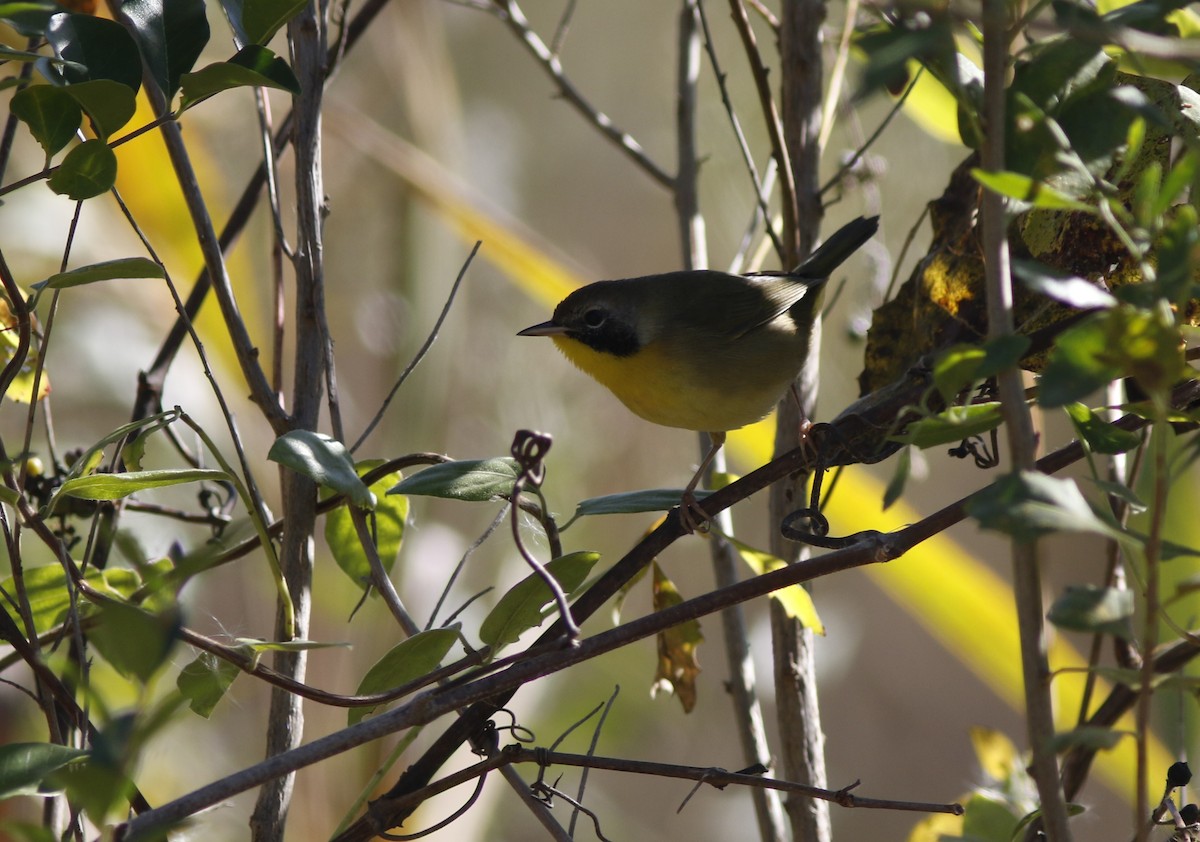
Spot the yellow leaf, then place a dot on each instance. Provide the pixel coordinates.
(21, 388)
(677, 664)
(796, 601)
(995, 752)
(936, 828)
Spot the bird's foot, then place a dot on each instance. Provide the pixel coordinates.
(692, 516)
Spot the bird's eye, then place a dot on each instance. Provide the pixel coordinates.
(594, 318)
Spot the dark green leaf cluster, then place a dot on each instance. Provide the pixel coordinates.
(97, 66)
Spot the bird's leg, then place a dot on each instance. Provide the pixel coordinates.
(803, 439)
(691, 513)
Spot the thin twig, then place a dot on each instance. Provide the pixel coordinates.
(837, 76)
(422, 351)
(1027, 585)
(774, 126)
(583, 776)
(515, 18)
(761, 190)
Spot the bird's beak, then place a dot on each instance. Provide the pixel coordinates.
(544, 329)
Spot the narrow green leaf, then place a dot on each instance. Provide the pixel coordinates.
(89, 169)
(261, 19)
(952, 425)
(895, 486)
(407, 661)
(529, 601)
(475, 480)
(204, 682)
(390, 514)
(9, 54)
(117, 486)
(1094, 610)
(23, 766)
(90, 459)
(1101, 436)
(254, 647)
(1122, 492)
(634, 502)
(325, 461)
(127, 267)
(29, 19)
(1087, 736)
(51, 114)
(1025, 189)
(253, 66)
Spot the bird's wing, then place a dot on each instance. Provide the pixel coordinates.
(777, 292)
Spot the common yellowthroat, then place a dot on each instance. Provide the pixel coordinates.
(702, 350)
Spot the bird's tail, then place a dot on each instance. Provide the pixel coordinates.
(833, 252)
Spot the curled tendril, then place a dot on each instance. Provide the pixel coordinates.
(529, 448)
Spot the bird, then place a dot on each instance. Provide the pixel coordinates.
(700, 349)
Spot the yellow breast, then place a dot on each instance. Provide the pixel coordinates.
(674, 392)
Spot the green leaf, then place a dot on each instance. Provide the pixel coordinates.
(529, 601)
(103, 47)
(1176, 255)
(1028, 504)
(28, 18)
(1087, 736)
(171, 35)
(50, 113)
(960, 366)
(474, 480)
(324, 460)
(90, 459)
(795, 600)
(117, 486)
(952, 425)
(987, 818)
(127, 267)
(9, 54)
(49, 594)
(895, 486)
(1028, 191)
(88, 170)
(1062, 287)
(23, 766)
(1101, 436)
(1122, 341)
(1086, 608)
(420, 655)
(261, 19)
(1122, 492)
(134, 641)
(391, 513)
(634, 502)
(108, 104)
(253, 66)
(254, 647)
(204, 681)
